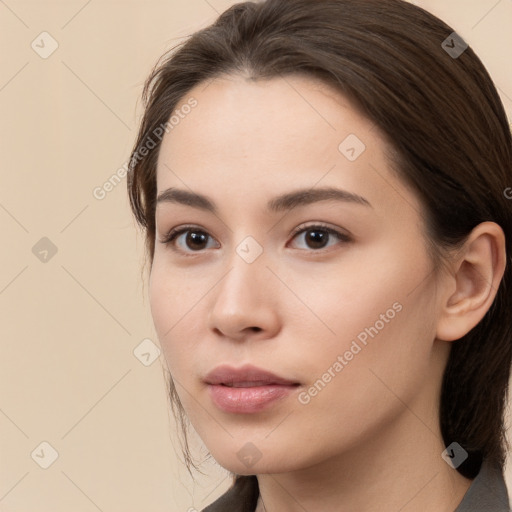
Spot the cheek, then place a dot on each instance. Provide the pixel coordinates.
(173, 303)
(161, 300)
(380, 312)
(382, 350)
(391, 368)
(362, 294)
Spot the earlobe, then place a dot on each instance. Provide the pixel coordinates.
(477, 273)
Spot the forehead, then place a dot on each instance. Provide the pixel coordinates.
(278, 111)
(270, 135)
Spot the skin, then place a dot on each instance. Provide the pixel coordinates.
(370, 440)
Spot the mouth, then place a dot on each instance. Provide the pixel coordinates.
(247, 389)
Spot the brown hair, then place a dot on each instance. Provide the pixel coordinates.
(445, 123)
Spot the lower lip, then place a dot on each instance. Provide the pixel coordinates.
(247, 400)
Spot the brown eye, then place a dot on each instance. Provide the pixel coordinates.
(187, 239)
(318, 237)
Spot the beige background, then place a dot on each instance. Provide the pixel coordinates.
(70, 325)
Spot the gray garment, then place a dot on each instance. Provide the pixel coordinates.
(487, 493)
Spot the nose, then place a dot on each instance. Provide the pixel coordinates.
(244, 304)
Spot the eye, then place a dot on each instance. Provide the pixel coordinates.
(191, 237)
(317, 236)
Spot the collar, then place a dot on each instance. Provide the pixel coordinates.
(487, 492)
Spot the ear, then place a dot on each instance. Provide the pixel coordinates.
(477, 271)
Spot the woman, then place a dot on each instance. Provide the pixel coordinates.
(322, 187)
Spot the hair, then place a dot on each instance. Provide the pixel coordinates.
(446, 127)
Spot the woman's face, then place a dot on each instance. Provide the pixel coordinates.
(347, 315)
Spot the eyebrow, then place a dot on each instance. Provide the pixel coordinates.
(284, 202)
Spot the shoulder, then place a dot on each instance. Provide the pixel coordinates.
(242, 496)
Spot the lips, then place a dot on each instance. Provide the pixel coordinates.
(245, 377)
(247, 390)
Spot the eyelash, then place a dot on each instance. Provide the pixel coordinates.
(170, 237)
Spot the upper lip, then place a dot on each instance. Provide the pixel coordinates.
(225, 374)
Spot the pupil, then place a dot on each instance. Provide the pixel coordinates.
(317, 238)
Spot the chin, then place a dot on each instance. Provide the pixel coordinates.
(249, 458)
(259, 468)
